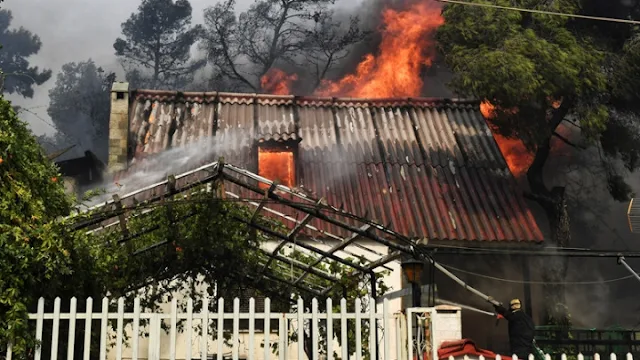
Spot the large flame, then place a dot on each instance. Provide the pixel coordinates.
(276, 165)
(516, 155)
(406, 48)
(277, 82)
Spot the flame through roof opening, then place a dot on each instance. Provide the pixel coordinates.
(276, 165)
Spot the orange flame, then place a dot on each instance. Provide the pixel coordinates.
(517, 156)
(277, 82)
(276, 165)
(405, 49)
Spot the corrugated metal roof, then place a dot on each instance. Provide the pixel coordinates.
(429, 168)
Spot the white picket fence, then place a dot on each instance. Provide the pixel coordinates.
(548, 357)
(386, 344)
(313, 319)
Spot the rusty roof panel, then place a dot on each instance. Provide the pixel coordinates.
(276, 122)
(428, 168)
(357, 133)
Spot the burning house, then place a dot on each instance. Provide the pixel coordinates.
(429, 169)
(367, 145)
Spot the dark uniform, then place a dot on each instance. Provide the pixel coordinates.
(521, 329)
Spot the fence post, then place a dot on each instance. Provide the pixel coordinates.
(204, 340)
(235, 346)
(120, 328)
(267, 328)
(173, 334)
(39, 325)
(220, 327)
(87, 328)
(314, 329)
(154, 337)
(72, 328)
(329, 329)
(358, 311)
(103, 328)
(189, 340)
(344, 339)
(300, 328)
(136, 329)
(252, 320)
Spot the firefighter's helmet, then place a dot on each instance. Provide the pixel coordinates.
(515, 304)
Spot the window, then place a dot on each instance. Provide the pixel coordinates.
(276, 164)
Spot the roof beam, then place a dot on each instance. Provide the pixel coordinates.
(263, 202)
(290, 237)
(299, 226)
(301, 266)
(298, 286)
(301, 244)
(317, 213)
(335, 248)
(384, 260)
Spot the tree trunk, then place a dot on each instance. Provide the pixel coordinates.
(554, 203)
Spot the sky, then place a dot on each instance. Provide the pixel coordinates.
(87, 29)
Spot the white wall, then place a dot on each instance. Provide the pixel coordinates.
(393, 281)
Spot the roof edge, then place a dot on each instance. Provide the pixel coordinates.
(210, 95)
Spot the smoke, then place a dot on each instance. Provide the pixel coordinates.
(156, 168)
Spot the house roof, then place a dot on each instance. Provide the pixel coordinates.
(428, 168)
(81, 166)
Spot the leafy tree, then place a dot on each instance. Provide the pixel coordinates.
(292, 33)
(32, 249)
(80, 104)
(18, 77)
(156, 48)
(537, 71)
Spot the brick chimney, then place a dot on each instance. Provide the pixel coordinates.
(118, 127)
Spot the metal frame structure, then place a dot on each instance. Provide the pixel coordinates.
(236, 184)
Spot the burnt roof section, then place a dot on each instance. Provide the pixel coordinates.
(428, 168)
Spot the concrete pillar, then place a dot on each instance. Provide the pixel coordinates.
(118, 127)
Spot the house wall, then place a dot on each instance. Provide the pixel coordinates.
(450, 329)
(498, 276)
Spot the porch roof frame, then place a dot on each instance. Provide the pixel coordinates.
(220, 172)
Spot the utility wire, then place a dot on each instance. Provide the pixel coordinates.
(593, 282)
(544, 12)
(552, 251)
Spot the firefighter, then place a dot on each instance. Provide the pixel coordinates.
(521, 329)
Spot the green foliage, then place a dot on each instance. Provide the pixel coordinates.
(524, 61)
(18, 77)
(156, 48)
(33, 250)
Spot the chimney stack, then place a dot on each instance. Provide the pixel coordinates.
(118, 127)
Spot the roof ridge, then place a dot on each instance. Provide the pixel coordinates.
(297, 98)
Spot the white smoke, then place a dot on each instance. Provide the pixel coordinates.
(175, 161)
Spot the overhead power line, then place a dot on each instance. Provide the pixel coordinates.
(592, 282)
(544, 12)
